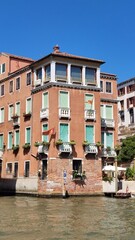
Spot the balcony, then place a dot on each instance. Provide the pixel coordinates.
(65, 147)
(44, 113)
(91, 148)
(89, 114)
(107, 123)
(43, 149)
(16, 121)
(37, 82)
(108, 153)
(64, 112)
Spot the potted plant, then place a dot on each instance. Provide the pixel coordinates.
(108, 149)
(44, 143)
(37, 144)
(28, 114)
(26, 146)
(15, 147)
(15, 115)
(59, 142)
(72, 142)
(85, 143)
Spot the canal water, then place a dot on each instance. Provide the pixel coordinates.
(81, 218)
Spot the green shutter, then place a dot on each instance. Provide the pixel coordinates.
(17, 138)
(64, 132)
(28, 135)
(18, 109)
(64, 99)
(10, 140)
(109, 139)
(109, 112)
(87, 98)
(45, 137)
(102, 138)
(90, 134)
(45, 100)
(1, 141)
(28, 105)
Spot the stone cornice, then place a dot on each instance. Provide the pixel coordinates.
(109, 100)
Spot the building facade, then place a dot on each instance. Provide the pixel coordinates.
(126, 109)
(58, 123)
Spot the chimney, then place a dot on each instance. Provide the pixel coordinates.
(56, 49)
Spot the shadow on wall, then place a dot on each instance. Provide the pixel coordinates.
(7, 186)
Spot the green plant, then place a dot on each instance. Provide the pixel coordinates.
(85, 143)
(72, 142)
(108, 149)
(26, 146)
(59, 142)
(36, 144)
(106, 178)
(98, 144)
(44, 143)
(15, 147)
(130, 173)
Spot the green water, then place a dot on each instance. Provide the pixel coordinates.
(26, 218)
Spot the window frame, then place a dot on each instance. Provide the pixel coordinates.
(18, 83)
(106, 88)
(28, 79)
(27, 173)
(2, 115)
(11, 87)
(26, 136)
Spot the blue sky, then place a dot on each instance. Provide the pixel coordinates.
(100, 29)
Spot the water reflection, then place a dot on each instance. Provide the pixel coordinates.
(74, 218)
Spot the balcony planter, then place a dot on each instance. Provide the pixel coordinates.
(108, 149)
(15, 147)
(59, 142)
(27, 114)
(37, 144)
(85, 143)
(15, 116)
(79, 176)
(44, 143)
(72, 142)
(26, 146)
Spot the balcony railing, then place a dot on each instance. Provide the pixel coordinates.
(16, 121)
(44, 113)
(108, 153)
(64, 112)
(61, 78)
(89, 114)
(107, 123)
(65, 147)
(91, 148)
(43, 149)
(37, 82)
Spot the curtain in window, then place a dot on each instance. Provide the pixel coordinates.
(28, 105)
(1, 141)
(64, 99)
(89, 101)
(45, 137)
(45, 100)
(64, 132)
(28, 135)
(90, 134)
(109, 112)
(109, 139)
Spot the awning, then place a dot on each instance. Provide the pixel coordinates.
(112, 168)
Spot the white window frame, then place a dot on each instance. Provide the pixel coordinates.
(104, 110)
(10, 116)
(26, 78)
(111, 87)
(2, 117)
(25, 167)
(8, 139)
(43, 99)
(68, 97)
(29, 127)
(17, 130)
(9, 86)
(27, 105)
(16, 84)
(1, 65)
(105, 142)
(68, 129)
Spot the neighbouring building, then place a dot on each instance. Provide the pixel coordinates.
(58, 123)
(126, 109)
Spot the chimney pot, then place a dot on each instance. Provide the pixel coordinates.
(56, 49)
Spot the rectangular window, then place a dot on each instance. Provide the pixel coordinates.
(44, 169)
(28, 105)
(16, 169)
(106, 111)
(9, 168)
(39, 73)
(27, 169)
(76, 73)
(2, 115)
(2, 90)
(108, 87)
(89, 101)
(17, 108)
(1, 141)
(102, 111)
(10, 86)
(101, 86)
(10, 140)
(45, 128)
(28, 135)
(17, 137)
(45, 100)
(89, 133)
(61, 71)
(64, 99)
(109, 112)
(2, 68)
(107, 139)
(10, 112)
(18, 83)
(90, 75)
(64, 132)
(131, 113)
(47, 73)
(77, 166)
(28, 79)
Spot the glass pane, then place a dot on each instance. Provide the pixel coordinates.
(109, 112)
(76, 73)
(61, 70)
(109, 140)
(28, 134)
(90, 134)
(102, 138)
(1, 141)
(89, 101)
(28, 105)
(64, 132)
(18, 109)
(45, 137)
(17, 138)
(90, 75)
(102, 111)
(10, 140)
(63, 99)
(45, 100)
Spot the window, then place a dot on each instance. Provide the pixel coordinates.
(28, 135)
(10, 134)
(1, 115)
(64, 132)
(89, 133)
(2, 68)
(64, 99)
(28, 105)
(101, 86)
(28, 79)
(17, 137)
(18, 83)
(122, 116)
(17, 108)
(107, 139)
(131, 112)
(76, 73)
(10, 86)
(90, 75)
(45, 100)
(10, 112)
(106, 111)
(61, 71)
(47, 73)
(44, 169)
(27, 169)
(15, 169)
(9, 168)
(1, 141)
(45, 128)
(89, 101)
(39, 73)
(77, 166)
(108, 87)
(2, 90)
